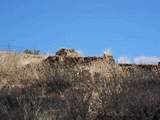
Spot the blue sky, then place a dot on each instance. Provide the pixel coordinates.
(127, 27)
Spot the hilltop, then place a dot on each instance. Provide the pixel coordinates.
(68, 86)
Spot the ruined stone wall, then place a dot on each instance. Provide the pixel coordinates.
(127, 69)
(150, 70)
(78, 60)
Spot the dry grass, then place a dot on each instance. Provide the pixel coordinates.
(59, 91)
(15, 67)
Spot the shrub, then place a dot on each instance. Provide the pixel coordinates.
(34, 52)
(95, 91)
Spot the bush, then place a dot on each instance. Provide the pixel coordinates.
(34, 52)
(96, 91)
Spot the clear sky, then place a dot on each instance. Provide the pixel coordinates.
(127, 27)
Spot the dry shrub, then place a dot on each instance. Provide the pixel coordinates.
(82, 92)
(101, 91)
(73, 83)
(133, 97)
(78, 97)
(15, 79)
(30, 105)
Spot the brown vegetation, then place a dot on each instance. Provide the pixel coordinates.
(66, 87)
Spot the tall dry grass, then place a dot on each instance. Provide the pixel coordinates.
(9, 62)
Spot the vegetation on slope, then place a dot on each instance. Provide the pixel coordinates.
(78, 88)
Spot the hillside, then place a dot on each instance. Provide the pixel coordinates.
(22, 58)
(68, 86)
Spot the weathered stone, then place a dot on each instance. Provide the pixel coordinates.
(67, 53)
